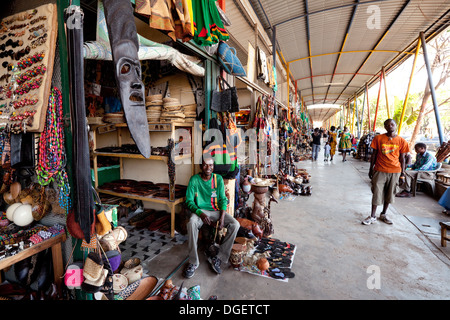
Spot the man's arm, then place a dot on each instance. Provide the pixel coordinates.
(373, 159)
(402, 163)
(190, 197)
(222, 201)
(428, 163)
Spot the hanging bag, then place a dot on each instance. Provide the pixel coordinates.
(225, 97)
(228, 59)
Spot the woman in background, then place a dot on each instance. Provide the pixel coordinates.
(332, 139)
(345, 143)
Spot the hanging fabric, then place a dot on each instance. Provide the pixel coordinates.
(173, 17)
(84, 202)
(208, 25)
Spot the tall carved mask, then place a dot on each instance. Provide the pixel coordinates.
(124, 45)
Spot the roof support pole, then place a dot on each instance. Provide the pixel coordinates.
(378, 102)
(362, 113)
(405, 101)
(358, 131)
(354, 112)
(274, 58)
(347, 119)
(288, 91)
(385, 92)
(432, 90)
(368, 106)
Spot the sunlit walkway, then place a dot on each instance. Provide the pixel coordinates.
(337, 257)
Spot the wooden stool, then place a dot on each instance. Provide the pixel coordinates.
(444, 227)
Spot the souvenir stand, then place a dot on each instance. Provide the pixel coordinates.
(35, 184)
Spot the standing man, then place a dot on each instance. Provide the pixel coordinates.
(387, 164)
(205, 198)
(316, 136)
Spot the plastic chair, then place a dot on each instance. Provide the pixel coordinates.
(419, 179)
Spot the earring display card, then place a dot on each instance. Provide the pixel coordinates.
(27, 54)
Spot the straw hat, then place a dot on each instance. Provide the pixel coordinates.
(120, 282)
(153, 97)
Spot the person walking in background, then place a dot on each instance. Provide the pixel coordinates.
(386, 165)
(345, 143)
(316, 136)
(332, 139)
(327, 149)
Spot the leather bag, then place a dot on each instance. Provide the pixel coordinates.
(225, 100)
(22, 150)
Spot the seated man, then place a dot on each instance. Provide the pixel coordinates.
(205, 198)
(425, 161)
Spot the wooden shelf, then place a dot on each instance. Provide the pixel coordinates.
(167, 127)
(143, 198)
(55, 244)
(139, 156)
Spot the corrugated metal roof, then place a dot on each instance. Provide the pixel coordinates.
(346, 25)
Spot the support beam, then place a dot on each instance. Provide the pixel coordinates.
(386, 93)
(342, 46)
(405, 101)
(368, 106)
(432, 90)
(351, 51)
(378, 102)
(380, 40)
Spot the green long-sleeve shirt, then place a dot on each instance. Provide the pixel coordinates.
(206, 195)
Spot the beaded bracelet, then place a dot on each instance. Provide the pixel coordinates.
(41, 40)
(29, 85)
(29, 61)
(31, 30)
(37, 70)
(44, 234)
(37, 33)
(40, 18)
(35, 239)
(23, 103)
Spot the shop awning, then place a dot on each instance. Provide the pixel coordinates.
(335, 47)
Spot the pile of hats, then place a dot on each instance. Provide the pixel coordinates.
(105, 273)
(172, 110)
(114, 117)
(190, 112)
(153, 104)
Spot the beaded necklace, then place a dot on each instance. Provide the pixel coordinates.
(51, 159)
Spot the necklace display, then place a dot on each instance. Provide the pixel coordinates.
(51, 158)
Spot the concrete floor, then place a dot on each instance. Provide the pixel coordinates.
(336, 255)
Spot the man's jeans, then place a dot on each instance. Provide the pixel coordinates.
(194, 225)
(315, 151)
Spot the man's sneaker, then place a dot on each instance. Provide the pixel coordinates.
(369, 220)
(385, 219)
(215, 264)
(189, 270)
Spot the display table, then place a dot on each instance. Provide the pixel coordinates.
(58, 266)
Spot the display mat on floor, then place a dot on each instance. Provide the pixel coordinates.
(145, 244)
(279, 254)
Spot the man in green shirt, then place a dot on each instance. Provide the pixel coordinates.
(205, 197)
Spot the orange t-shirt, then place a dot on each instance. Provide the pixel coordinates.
(388, 152)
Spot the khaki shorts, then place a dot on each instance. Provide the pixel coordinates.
(384, 187)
